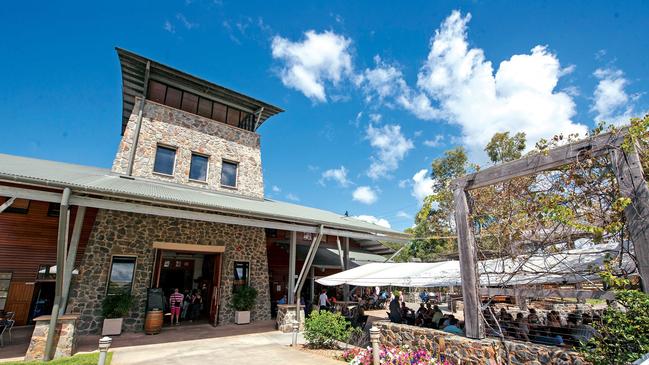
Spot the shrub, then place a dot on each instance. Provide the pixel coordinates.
(623, 334)
(116, 305)
(393, 355)
(323, 329)
(244, 298)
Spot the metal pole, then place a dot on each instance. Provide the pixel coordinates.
(104, 345)
(346, 267)
(72, 255)
(138, 124)
(7, 204)
(375, 333)
(300, 282)
(291, 268)
(60, 266)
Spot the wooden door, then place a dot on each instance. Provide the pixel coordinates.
(19, 300)
(216, 290)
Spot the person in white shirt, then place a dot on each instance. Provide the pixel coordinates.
(323, 300)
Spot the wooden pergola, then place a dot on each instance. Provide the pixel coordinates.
(631, 181)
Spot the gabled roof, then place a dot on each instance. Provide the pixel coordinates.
(133, 80)
(103, 182)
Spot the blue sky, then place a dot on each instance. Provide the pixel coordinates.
(373, 91)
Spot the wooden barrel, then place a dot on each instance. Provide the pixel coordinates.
(153, 322)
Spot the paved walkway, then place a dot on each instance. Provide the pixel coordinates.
(264, 348)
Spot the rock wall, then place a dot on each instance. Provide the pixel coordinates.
(189, 133)
(65, 338)
(463, 350)
(121, 233)
(286, 317)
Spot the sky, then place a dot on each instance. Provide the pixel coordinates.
(373, 91)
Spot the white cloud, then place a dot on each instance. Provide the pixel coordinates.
(391, 147)
(365, 195)
(189, 25)
(422, 185)
(372, 219)
(292, 197)
(311, 63)
(380, 82)
(610, 101)
(374, 117)
(276, 189)
(519, 97)
(169, 27)
(338, 175)
(404, 215)
(403, 183)
(435, 142)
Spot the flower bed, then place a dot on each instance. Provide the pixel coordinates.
(393, 356)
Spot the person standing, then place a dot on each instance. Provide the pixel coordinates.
(323, 300)
(175, 303)
(395, 310)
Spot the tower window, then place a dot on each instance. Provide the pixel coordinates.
(198, 168)
(165, 159)
(229, 174)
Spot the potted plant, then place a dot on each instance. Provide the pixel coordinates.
(114, 308)
(243, 299)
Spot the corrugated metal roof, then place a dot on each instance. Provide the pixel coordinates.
(98, 181)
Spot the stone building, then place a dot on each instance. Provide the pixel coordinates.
(183, 207)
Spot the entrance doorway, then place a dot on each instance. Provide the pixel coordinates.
(196, 274)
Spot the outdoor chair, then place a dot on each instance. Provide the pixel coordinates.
(11, 316)
(6, 328)
(3, 328)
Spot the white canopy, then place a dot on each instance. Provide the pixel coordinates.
(570, 266)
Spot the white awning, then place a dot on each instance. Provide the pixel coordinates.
(570, 266)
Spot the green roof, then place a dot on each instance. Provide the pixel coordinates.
(103, 182)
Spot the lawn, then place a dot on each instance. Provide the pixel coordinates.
(80, 359)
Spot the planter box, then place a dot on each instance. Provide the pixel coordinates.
(242, 317)
(112, 326)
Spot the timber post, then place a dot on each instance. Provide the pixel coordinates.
(468, 263)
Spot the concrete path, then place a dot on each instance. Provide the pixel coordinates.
(264, 348)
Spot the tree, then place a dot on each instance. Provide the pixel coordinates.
(502, 148)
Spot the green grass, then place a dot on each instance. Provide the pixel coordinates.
(80, 359)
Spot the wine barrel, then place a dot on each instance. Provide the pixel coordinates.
(153, 322)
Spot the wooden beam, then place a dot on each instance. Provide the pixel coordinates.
(188, 247)
(633, 185)
(7, 204)
(554, 158)
(216, 217)
(71, 257)
(468, 265)
(292, 258)
(549, 293)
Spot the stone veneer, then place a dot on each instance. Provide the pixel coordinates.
(286, 317)
(122, 233)
(463, 350)
(189, 133)
(65, 338)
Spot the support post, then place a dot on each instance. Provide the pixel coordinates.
(312, 282)
(138, 124)
(64, 217)
(72, 255)
(346, 263)
(291, 267)
(468, 265)
(302, 278)
(633, 185)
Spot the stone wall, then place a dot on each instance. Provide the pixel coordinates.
(286, 317)
(121, 233)
(463, 350)
(65, 338)
(192, 133)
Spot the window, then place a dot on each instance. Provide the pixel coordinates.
(122, 271)
(198, 168)
(165, 159)
(54, 210)
(20, 206)
(233, 117)
(5, 281)
(229, 174)
(190, 102)
(241, 274)
(157, 91)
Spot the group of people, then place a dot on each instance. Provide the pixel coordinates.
(551, 330)
(185, 305)
(427, 315)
